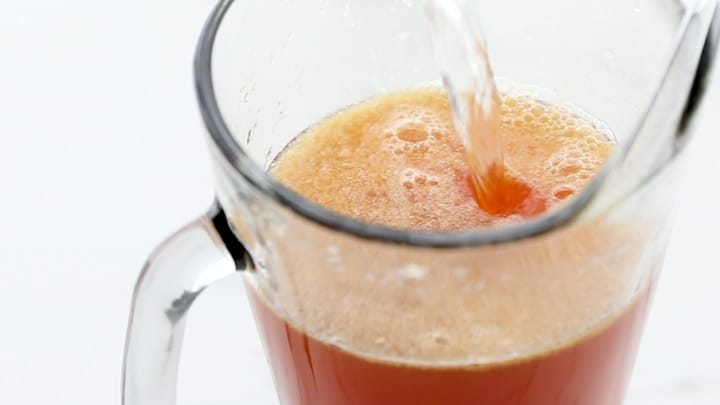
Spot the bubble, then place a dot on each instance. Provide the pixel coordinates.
(413, 135)
(411, 271)
(412, 127)
(569, 167)
(563, 192)
(439, 337)
(460, 272)
(334, 259)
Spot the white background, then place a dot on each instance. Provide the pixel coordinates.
(102, 155)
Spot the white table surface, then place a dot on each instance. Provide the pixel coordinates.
(102, 155)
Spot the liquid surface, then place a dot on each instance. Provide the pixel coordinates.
(397, 161)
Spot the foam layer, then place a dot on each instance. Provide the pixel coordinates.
(397, 161)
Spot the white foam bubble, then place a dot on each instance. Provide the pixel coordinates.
(334, 259)
(411, 271)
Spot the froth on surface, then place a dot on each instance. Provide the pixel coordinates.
(396, 161)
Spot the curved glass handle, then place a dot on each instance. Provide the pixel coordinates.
(174, 275)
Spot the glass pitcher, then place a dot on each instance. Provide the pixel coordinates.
(355, 313)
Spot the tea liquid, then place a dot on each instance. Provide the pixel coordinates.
(379, 337)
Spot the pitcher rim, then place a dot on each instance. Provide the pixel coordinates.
(223, 139)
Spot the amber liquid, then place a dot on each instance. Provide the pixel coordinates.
(592, 371)
(397, 161)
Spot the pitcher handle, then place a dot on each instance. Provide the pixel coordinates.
(174, 275)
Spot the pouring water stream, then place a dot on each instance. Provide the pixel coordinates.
(461, 54)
